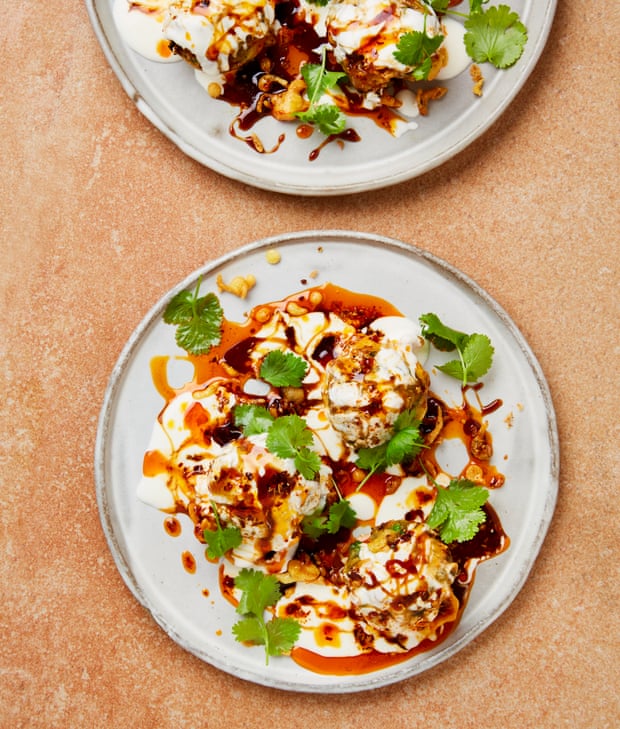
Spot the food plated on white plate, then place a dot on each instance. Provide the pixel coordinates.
(304, 451)
(332, 489)
(320, 65)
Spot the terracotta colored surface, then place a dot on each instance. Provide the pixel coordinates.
(101, 215)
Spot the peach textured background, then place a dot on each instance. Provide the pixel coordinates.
(101, 215)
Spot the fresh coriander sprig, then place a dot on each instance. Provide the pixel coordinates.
(253, 419)
(496, 35)
(198, 320)
(405, 443)
(475, 350)
(289, 437)
(283, 369)
(340, 514)
(258, 593)
(457, 513)
(221, 539)
(415, 49)
(327, 117)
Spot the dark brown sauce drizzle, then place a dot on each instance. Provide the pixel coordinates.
(296, 43)
(465, 422)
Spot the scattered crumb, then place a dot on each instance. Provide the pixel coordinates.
(320, 249)
(238, 286)
(423, 96)
(273, 256)
(313, 274)
(509, 420)
(477, 78)
(520, 407)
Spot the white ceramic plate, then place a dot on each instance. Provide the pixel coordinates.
(527, 452)
(169, 96)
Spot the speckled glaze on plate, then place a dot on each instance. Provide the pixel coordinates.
(169, 96)
(524, 436)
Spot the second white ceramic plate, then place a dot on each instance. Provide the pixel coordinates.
(189, 607)
(169, 96)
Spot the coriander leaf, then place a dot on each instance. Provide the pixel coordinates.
(198, 320)
(258, 591)
(308, 463)
(457, 512)
(441, 336)
(439, 6)
(282, 634)
(372, 459)
(475, 350)
(221, 539)
(253, 419)
(287, 435)
(414, 49)
(478, 356)
(318, 79)
(496, 35)
(283, 369)
(328, 118)
(250, 630)
(454, 368)
(314, 525)
(341, 515)
(475, 6)
(405, 443)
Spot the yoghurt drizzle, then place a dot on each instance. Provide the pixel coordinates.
(249, 53)
(369, 595)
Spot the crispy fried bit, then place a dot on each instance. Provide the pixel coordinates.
(474, 473)
(295, 309)
(263, 314)
(238, 286)
(439, 60)
(286, 104)
(423, 96)
(295, 395)
(477, 78)
(273, 256)
(214, 90)
(481, 446)
(315, 298)
(302, 571)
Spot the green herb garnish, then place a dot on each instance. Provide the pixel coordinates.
(496, 35)
(259, 592)
(221, 539)
(339, 515)
(405, 443)
(198, 320)
(475, 350)
(415, 49)
(289, 437)
(283, 369)
(253, 419)
(457, 512)
(327, 117)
